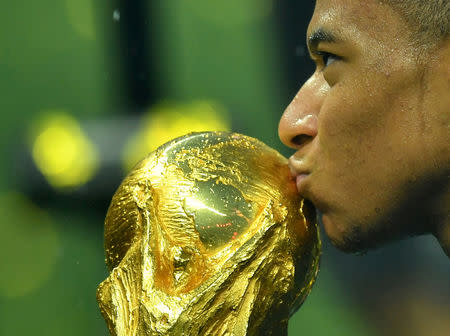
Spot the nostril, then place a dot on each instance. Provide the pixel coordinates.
(301, 139)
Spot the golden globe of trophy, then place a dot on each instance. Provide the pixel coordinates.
(208, 236)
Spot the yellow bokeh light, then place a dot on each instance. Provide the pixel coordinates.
(169, 120)
(29, 248)
(62, 152)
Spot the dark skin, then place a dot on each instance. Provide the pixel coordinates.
(371, 127)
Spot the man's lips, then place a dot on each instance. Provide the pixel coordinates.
(298, 181)
(299, 172)
(304, 181)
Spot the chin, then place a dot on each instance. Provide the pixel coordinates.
(349, 238)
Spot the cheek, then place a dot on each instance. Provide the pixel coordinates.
(353, 145)
(366, 116)
(367, 148)
(350, 124)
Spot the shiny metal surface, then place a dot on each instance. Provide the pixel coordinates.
(208, 236)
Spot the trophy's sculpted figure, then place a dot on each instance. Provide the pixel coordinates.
(208, 236)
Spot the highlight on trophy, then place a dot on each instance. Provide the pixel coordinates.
(208, 236)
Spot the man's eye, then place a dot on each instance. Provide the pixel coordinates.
(328, 58)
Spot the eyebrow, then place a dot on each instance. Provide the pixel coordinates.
(320, 35)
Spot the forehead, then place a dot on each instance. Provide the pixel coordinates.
(357, 19)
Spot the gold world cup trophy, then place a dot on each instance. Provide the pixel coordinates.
(208, 236)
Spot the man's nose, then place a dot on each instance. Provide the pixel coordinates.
(298, 124)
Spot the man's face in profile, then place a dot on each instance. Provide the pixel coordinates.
(368, 126)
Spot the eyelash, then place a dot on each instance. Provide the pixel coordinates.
(325, 57)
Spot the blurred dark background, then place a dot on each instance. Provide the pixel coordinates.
(87, 88)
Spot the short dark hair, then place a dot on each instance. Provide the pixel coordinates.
(429, 19)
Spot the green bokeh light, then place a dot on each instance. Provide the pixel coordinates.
(81, 16)
(29, 250)
(231, 12)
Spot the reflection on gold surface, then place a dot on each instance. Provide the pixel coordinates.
(221, 216)
(208, 236)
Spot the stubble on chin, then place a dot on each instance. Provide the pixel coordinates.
(359, 240)
(352, 241)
